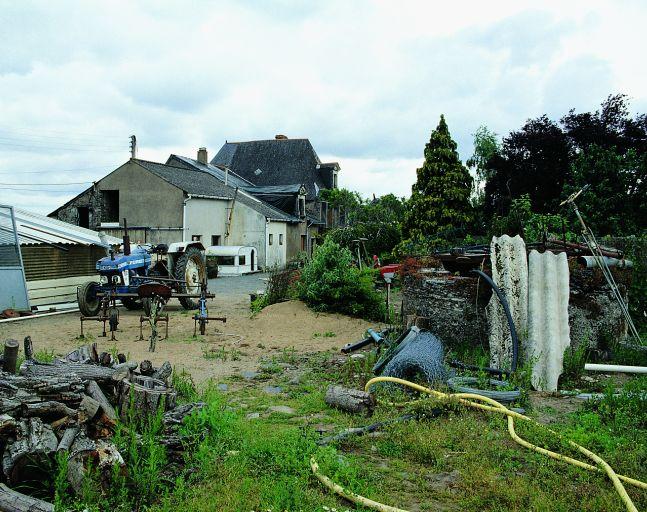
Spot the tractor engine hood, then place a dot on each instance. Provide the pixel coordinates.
(138, 258)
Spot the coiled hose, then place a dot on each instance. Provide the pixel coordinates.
(490, 405)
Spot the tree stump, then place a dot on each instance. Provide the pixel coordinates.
(350, 400)
(13, 501)
(29, 454)
(145, 395)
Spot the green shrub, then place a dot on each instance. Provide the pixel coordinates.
(330, 282)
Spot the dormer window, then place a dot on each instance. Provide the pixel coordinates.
(334, 179)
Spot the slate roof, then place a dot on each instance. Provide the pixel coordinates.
(233, 179)
(198, 182)
(273, 162)
(192, 182)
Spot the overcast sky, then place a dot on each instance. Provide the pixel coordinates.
(365, 81)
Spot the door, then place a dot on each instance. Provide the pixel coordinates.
(251, 260)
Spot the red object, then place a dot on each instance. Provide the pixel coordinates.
(393, 268)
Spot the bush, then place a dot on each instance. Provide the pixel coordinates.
(330, 282)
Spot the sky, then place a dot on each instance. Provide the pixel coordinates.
(366, 82)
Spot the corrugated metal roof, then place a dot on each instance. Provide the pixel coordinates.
(34, 228)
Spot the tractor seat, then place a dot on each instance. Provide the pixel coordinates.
(161, 249)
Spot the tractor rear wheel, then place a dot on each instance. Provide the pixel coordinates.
(86, 296)
(131, 303)
(190, 270)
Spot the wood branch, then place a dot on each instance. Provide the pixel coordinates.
(145, 396)
(146, 368)
(59, 368)
(29, 453)
(93, 390)
(350, 400)
(10, 356)
(68, 438)
(13, 501)
(163, 372)
(49, 410)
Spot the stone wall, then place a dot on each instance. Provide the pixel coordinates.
(452, 311)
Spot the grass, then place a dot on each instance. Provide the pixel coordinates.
(461, 460)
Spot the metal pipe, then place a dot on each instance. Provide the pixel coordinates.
(614, 368)
(592, 262)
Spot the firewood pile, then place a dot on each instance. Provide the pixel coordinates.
(72, 405)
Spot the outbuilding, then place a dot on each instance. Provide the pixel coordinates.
(232, 260)
(57, 257)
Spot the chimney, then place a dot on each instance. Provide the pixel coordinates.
(280, 137)
(202, 156)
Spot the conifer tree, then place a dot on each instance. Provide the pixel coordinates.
(439, 208)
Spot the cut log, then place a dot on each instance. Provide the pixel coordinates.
(121, 358)
(101, 456)
(89, 409)
(146, 368)
(29, 454)
(93, 390)
(163, 372)
(13, 501)
(85, 354)
(105, 359)
(49, 411)
(68, 438)
(59, 368)
(29, 348)
(7, 425)
(350, 400)
(144, 396)
(10, 356)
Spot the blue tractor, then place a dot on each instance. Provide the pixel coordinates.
(180, 266)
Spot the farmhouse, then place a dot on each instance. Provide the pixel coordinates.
(164, 204)
(260, 194)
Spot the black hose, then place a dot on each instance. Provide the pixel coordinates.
(506, 308)
(464, 366)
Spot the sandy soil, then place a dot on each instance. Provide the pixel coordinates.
(277, 328)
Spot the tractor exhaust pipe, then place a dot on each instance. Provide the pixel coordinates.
(126, 239)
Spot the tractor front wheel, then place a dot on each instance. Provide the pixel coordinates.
(86, 296)
(191, 271)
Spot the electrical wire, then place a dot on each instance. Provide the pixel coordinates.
(48, 184)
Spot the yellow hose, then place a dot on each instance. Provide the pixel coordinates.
(467, 399)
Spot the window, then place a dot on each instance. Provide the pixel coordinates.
(334, 180)
(109, 206)
(304, 242)
(227, 260)
(241, 259)
(84, 216)
(280, 239)
(302, 206)
(196, 238)
(323, 217)
(271, 239)
(215, 239)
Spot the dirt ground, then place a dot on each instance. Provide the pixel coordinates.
(227, 349)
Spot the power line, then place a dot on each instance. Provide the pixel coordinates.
(38, 131)
(47, 184)
(18, 172)
(79, 148)
(59, 191)
(58, 144)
